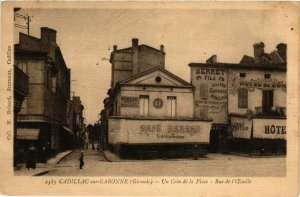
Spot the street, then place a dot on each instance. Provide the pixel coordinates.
(95, 164)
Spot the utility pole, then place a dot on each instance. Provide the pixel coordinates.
(27, 19)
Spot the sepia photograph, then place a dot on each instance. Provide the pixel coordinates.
(166, 92)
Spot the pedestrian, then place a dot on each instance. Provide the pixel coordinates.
(81, 162)
(196, 151)
(30, 160)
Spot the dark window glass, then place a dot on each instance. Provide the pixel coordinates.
(242, 74)
(243, 98)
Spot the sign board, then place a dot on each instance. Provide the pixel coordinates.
(128, 101)
(158, 131)
(269, 128)
(210, 93)
(241, 127)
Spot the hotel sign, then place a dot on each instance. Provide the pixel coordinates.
(158, 131)
(269, 128)
(128, 101)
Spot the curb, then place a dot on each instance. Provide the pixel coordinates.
(105, 156)
(65, 156)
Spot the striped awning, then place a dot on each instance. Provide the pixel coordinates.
(27, 134)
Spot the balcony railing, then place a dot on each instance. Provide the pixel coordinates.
(21, 81)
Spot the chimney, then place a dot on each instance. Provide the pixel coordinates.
(281, 49)
(135, 56)
(212, 60)
(258, 52)
(115, 47)
(162, 56)
(48, 36)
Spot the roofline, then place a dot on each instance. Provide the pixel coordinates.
(154, 85)
(279, 67)
(153, 69)
(122, 50)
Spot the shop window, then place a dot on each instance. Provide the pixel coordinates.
(144, 105)
(267, 101)
(203, 112)
(204, 91)
(243, 98)
(171, 107)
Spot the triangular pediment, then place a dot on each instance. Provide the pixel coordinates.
(157, 76)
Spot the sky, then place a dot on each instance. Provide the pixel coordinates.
(86, 38)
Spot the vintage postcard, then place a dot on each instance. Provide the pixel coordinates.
(149, 98)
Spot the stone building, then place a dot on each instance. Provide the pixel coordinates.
(244, 99)
(78, 119)
(42, 120)
(150, 109)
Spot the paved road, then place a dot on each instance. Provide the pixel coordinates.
(214, 165)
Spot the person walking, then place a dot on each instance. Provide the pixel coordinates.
(81, 162)
(30, 161)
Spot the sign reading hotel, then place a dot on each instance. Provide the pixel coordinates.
(128, 101)
(158, 131)
(241, 127)
(269, 128)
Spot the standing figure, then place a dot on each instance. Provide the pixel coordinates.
(196, 151)
(81, 161)
(30, 161)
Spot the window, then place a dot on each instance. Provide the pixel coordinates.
(267, 101)
(203, 112)
(267, 76)
(242, 74)
(204, 91)
(144, 105)
(171, 107)
(243, 98)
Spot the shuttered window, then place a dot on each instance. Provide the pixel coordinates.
(243, 98)
(203, 112)
(171, 106)
(204, 91)
(144, 105)
(267, 101)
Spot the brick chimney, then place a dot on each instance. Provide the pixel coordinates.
(48, 36)
(258, 52)
(281, 49)
(162, 56)
(135, 56)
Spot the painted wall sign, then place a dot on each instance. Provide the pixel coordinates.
(210, 92)
(158, 103)
(235, 83)
(158, 131)
(269, 128)
(241, 127)
(128, 101)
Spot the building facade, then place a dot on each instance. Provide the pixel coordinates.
(247, 101)
(151, 110)
(42, 119)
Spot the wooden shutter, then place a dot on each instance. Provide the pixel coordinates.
(204, 91)
(243, 98)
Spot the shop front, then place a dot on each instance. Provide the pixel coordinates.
(159, 136)
(259, 134)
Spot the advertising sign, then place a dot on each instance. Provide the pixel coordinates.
(269, 128)
(241, 127)
(158, 131)
(210, 92)
(129, 101)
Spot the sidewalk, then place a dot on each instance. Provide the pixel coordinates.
(110, 156)
(43, 168)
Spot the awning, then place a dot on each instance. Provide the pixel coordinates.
(27, 134)
(70, 132)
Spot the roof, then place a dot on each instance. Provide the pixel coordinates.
(152, 70)
(140, 46)
(262, 66)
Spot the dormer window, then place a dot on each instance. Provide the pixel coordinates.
(242, 75)
(267, 76)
